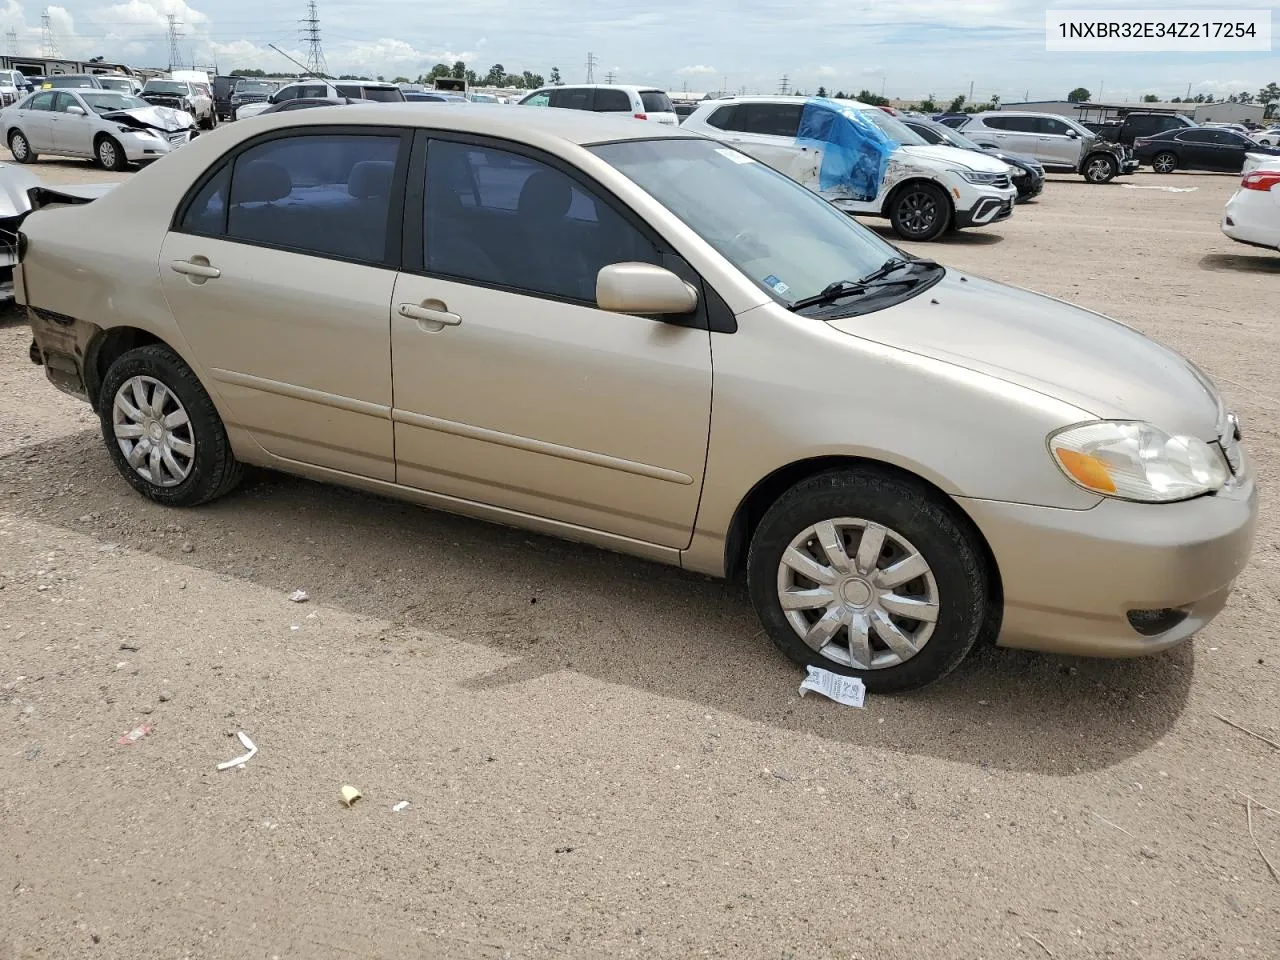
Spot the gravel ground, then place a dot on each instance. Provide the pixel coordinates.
(605, 757)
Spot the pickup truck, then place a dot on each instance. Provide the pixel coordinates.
(1135, 125)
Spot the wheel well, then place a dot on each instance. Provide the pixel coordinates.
(765, 493)
(898, 188)
(105, 349)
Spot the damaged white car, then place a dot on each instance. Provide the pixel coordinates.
(115, 129)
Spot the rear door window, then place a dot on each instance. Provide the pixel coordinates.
(655, 101)
(769, 119)
(611, 101)
(571, 98)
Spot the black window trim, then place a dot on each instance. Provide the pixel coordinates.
(712, 314)
(395, 214)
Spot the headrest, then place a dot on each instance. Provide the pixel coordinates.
(371, 178)
(545, 196)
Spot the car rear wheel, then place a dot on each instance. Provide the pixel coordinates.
(1101, 169)
(110, 154)
(1164, 163)
(920, 211)
(20, 147)
(867, 575)
(162, 430)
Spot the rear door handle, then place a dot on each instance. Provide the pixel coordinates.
(414, 311)
(202, 270)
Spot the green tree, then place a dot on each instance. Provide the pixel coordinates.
(555, 77)
(957, 103)
(512, 80)
(472, 78)
(1268, 95)
(495, 75)
(1245, 97)
(1176, 100)
(1150, 98)
(929, 105)
(532, 81)
(840, 95)
(440, 70)
(1079, 95)
(866, 96)
(995, 101)
(255, 72)
(822, 91)
(459, 70)
(402, 80)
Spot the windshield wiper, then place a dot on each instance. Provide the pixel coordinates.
(845, 288)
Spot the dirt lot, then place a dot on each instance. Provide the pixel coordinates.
(605, 757)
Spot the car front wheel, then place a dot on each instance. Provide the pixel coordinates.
(920, 211)
(162, 430)
(869, 575)
(1164, 163)
(1101, 169)
(110, 154)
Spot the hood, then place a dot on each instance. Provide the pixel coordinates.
(1074, 355)
(1008, 157)
(165, 119)
(252, 109)
(15, 186)
(954, 156)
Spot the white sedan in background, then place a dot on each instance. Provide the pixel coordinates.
(1252, 215)
(115, 129)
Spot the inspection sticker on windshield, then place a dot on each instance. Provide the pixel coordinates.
(776, 285)
(850, 691)
(734, 155)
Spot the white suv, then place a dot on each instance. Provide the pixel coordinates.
(925, 189)
(325, 90)
(643, 103)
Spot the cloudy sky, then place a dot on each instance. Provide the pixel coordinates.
(910, 48)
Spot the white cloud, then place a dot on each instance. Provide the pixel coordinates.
(695, 70)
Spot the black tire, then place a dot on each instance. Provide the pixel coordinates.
(911, 512)
(1164, 162)
(214, 470)
(920, 211)
(110, 155)
(20, 147)
(1100, 168)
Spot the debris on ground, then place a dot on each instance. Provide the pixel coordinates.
(402, 805)
(245, 758)
(1137, 186)
(850, 691)
(350, 794)
(134, 735)
(299, 596)
(165, 696)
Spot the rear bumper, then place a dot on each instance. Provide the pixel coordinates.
(1253, 217)
(1072, 578)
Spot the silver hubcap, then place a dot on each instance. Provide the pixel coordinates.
(19, 147)
(1164, 164)
(153, 431)
(1099, 169)
(107, 154)
(858, 593)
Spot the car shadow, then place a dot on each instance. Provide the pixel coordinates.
(557, 606)
(1241, 263)
(971, 236)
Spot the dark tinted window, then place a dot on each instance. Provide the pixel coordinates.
(1197, 136)
(768, 119)
(207, 213)
(722, 119)
(571, 98)
(314, 90)
(287, 93)
(496, 217)
(1231, 138)
(1052, 125)
(384, 94)
(328, 195)
(928, 134)
(41, 101)
(346, 90)
(997, 123)
(612, 101)
(655, 101)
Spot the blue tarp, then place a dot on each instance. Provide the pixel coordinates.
(855, 152)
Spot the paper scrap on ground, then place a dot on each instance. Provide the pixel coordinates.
(241, 760)
(847, 690)
(134, 735)
(1139, 186)
(350, 794)
(402, 805)
(299, 596)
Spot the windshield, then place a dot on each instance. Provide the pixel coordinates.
(104, 101)
(166, 86)
(791, 242)
(253, 86)
(70, 81)
(893, 128)
(954, 138)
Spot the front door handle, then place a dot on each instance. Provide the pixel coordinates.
(193, 269)
(414, 311)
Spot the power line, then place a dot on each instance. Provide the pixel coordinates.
(592, 60)
(11, 41)
(175, 35)
(311, 35)
(48, 42)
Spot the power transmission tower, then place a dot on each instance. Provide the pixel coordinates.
(48, 42)
(11, 41)
(316, 65)
(175, 51)
(592, 60)
(609, 77)
(784, 85)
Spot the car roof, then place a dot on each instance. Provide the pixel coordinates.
(531, 125)
(782, 98)
(646, 87)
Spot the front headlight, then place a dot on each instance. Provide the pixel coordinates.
(135, 131)
(1137, 461)
(1018, 172)
(973, 176)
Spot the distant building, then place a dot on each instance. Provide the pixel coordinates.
(1102, 112)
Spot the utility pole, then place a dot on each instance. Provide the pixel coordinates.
(1188, 96)
(1101, 87)
(784, 85)
(316, 65)
(11, 41)
(592, 60)
(175, 51)
(609, 77)
(883, 81)
(971, 91)
(48, 42)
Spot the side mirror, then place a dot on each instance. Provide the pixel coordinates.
(1073, 135)
(75, 111)
(642, 288)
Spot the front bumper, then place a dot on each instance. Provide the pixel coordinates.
(138, 148)
(1071, 578)
(982, 209)
(1032, 185)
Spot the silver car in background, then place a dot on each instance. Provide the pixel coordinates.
(115, 129)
